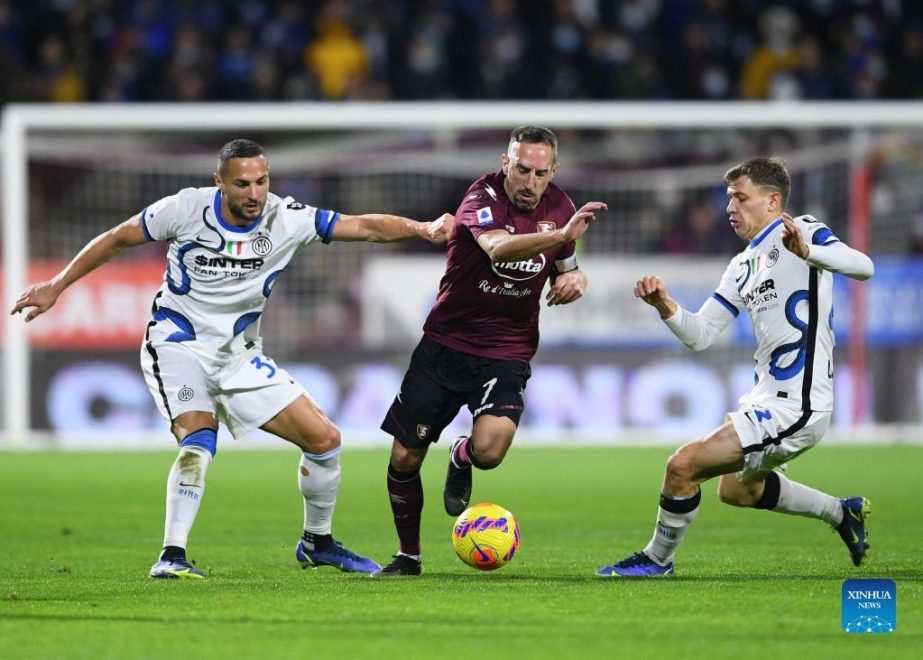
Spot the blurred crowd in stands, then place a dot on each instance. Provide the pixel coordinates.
(239, 50)
(262, 50)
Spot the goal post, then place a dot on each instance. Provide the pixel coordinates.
(374, 156)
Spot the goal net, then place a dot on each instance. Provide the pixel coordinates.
(345, 317)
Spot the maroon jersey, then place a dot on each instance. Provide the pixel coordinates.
(491, 309)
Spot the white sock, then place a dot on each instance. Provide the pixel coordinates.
(669, 531)
(800, 500)
(185, 488)
(319, 481)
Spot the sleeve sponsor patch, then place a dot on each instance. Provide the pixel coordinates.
(823, 236)
(485, 217)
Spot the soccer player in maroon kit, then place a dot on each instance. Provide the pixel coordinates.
(513, 231)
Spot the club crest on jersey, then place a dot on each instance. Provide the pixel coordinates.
(545, 226)
(773, 257)
(262, 246)
(485, 217)
(185, 394)
(423, 431)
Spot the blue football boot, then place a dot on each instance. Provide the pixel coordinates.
(852, 530)
(334, 555)
(638, 565)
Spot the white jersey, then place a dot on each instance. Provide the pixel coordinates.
(218, 275)
(790, 301)
(791, 307)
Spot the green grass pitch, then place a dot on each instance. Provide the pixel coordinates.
(78, 533)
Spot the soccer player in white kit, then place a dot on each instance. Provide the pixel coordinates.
(784, 279)
(202, 354)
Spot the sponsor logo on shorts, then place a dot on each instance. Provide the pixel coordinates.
(423, 431)
(186, 394)
(869, 606)
(486, 406)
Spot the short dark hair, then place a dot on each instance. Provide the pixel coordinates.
(536, 135)
(241, 148)
(764, 172)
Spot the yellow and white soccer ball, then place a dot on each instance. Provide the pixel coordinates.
(485, 536)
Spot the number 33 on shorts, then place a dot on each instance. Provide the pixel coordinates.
(261, 362)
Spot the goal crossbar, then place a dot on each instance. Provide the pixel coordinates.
(438, 117)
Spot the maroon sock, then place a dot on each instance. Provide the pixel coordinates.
(405, 490)
(461, 455)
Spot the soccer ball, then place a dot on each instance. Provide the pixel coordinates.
(485, 536)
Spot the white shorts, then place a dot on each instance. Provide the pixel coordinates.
(243, 392)
(772, 435)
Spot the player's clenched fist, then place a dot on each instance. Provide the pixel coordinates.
(653, 291)
(650, 289)
(440, 230)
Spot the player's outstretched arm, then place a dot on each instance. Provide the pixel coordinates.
(383, 228)
(500, 245)
(653, 290)
(697, 331)
(40, 297)
(836, 257)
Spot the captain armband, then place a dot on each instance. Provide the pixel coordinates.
(566, 264)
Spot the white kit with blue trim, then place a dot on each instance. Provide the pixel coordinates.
(790, 301)
(218, 275)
